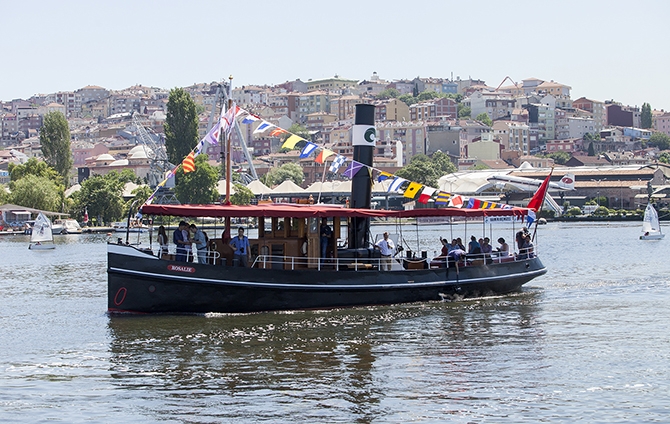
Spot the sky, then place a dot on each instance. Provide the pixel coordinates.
(604, 50)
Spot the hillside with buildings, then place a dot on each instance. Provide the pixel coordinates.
(527, 122)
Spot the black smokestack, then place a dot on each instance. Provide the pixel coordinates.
(363, 139)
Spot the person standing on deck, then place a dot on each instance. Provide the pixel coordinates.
(241, 245)
(180, 242)
(386, 248)
(200, 243)
(325, 233)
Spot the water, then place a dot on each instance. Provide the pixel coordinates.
(586, 342)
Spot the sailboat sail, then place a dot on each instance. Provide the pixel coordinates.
(41, 230)
(650, 224)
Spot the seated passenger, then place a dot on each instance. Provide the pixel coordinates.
(456, 256)
(503, 250)
(526, 251)
(460, 243)
(442, 259)
(474, 248)
(445, 247)
(487, 249)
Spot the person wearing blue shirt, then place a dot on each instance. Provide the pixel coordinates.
(180, 242)
(474, 248)
(241, 245)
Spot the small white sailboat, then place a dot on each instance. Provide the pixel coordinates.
(42, 236)
(651, 226)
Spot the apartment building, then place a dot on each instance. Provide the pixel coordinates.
(560, 92)
(595, 108)
(579, 126)
(250, 95)
(569, 145)
(334, 84)
(318, 120)
(496, 105)
(661, 122)
(391, 110)
(512, 135)
(622, 116)
(344, 107)
(412, 135)
(440, 107)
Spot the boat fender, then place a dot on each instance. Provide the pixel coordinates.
(303, 249)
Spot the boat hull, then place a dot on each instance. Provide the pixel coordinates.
(41, 246)
(140, 282)
(652, 236)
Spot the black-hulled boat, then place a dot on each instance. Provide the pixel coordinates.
(287, 272)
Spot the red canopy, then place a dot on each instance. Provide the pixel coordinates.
(291, 210)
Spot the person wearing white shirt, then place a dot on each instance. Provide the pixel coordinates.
(386, 247)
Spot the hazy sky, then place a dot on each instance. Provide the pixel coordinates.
(604, 50)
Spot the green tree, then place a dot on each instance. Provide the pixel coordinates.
(484, 119)
(127, 176)
(141, 193)
(288, 171)
(645, 116)
(560, 158)
(443, 163)
(592, 150)
(34, 167)
(199, 186)
(421, 170)
(242, 195)
(574, 211)
(427, 95)
(457, 97)
(298, 130)
(55, 141)
(102, 196)
(464, 111)
(181, 125)
(408, 99)
(427, 170)
(664, 157)
(660, 140)
(37, 192)
(389, 93)
(4, 195)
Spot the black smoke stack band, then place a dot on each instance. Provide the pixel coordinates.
(363, 140)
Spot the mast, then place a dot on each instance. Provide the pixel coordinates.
(228, 150)
(229, 143)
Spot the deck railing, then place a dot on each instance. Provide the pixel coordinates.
(359, 264)
(212, 256)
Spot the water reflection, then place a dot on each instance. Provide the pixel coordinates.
(337, 365)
